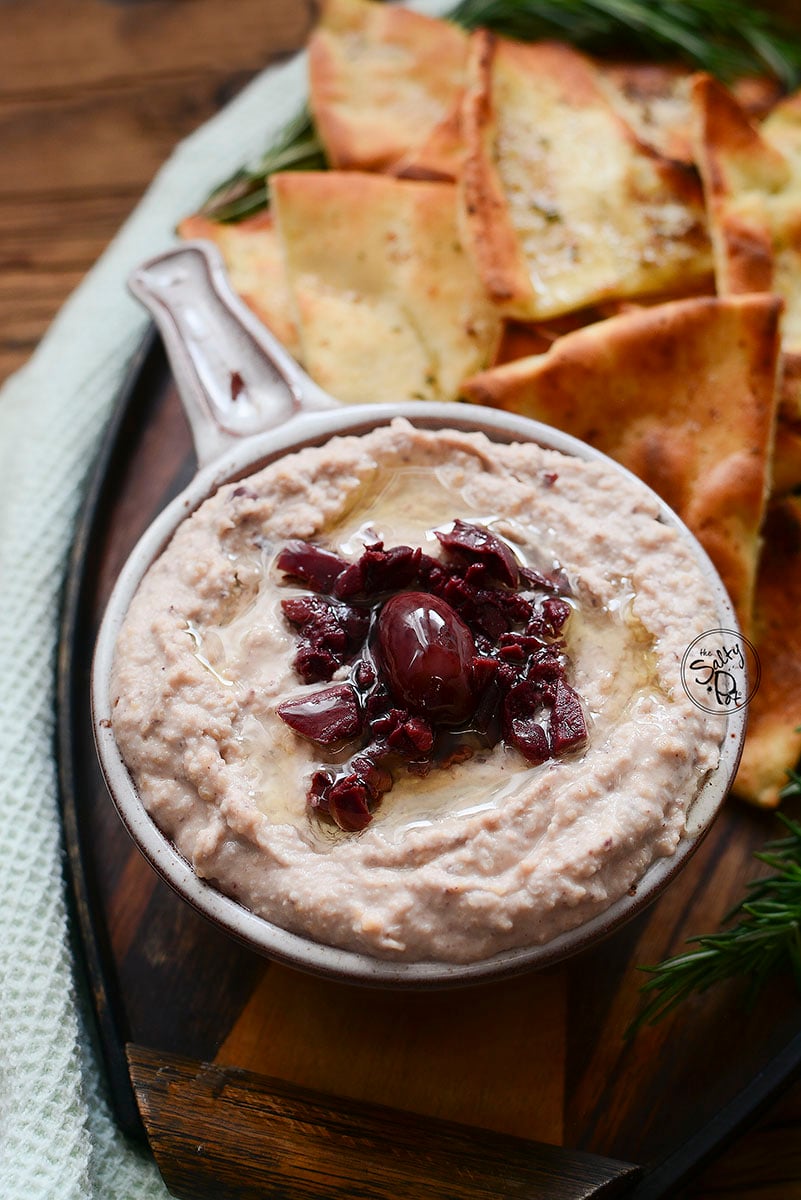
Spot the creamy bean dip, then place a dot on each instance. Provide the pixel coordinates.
(473, 858)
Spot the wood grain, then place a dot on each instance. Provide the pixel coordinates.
(307, 1145)
(471, 1059)
(92, 100)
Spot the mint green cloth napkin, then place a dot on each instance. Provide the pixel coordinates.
(57, 1138)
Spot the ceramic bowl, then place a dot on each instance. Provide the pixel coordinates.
(218, 349)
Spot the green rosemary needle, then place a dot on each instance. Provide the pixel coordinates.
(765, 940)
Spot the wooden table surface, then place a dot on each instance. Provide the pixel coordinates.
(93, 97)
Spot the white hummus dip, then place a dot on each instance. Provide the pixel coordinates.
(476, 858)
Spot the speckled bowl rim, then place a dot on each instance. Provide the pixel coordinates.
(301, 952)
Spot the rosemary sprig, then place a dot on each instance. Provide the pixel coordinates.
(766, 939)
(725, 37)
(793, 788)
(246, 191)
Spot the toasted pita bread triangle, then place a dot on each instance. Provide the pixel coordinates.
(752, 181)
(255, 266)
(773, 742)
(384, 85)
(684, 395)
(563, 206)
(739, 170)
(388, 303)
(782, 130)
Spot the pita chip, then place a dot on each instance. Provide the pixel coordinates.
(563, 205)
(740, 170)
(782, 130)
(385, 85)
(388, 303)
(684, 395)
(773, 741)
(752, 181)
(255, 266)
(522, 339)
(654, 100)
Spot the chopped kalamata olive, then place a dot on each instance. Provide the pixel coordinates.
(523, 713)
(330, 631)
(379, 571)
(364, 674)
(556, 611)
(568, 727)
(389, 570)
(327, 717)
(349, 799)
(349, 803)
(477, 544)
(555, 581)
(413, 738)
(529, 737)
(426, 653)
(311, 564)
(523, 710)
(471, 653)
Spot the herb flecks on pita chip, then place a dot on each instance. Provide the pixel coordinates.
(773, 741)
(388, 303)
(563, 205)
(684, 395)
(255, 267)
(384, 88)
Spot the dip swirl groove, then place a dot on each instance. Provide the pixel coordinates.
(486, 855)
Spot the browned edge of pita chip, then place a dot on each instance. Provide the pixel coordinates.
(735, 160)
(773, 741)
(491, 235)
(684, 394)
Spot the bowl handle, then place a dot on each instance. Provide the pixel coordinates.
(235, 379)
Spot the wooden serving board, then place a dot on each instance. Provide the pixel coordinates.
(251, 1079)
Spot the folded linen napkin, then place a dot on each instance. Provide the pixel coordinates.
(57, 1140)
(57, 1137)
